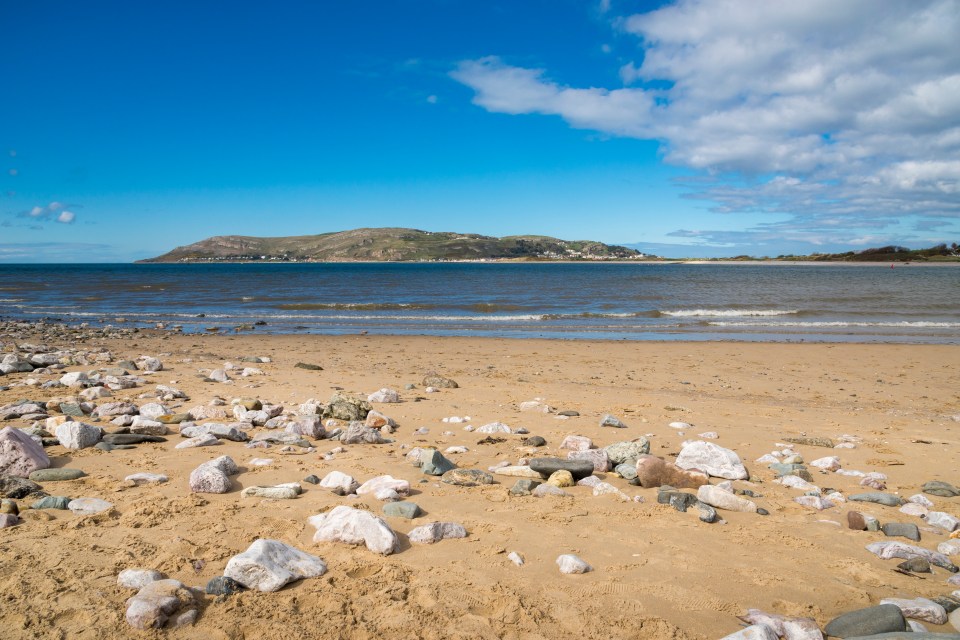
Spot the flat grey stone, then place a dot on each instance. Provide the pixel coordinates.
(56, 475)
(877, 497)
(902, 529)
(547, 466)
(867, 622)
(408, 510)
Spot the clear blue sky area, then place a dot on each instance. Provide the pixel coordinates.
(128, 128)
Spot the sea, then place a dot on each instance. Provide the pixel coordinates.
(610, 301)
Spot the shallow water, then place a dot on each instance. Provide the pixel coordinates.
(913, 303)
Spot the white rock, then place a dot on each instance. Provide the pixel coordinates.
(494, 427)
(537, 405)
(268, 565)
(829, 463)
(570, 563)
(767, 458)
(146, 363)
(153, 410)
(709, 435)
(607, 489)
(814, 502)
(943, 520)
(354, 526)
(950, 547)
(146, 478)
(517, 471)
(74, 379)
(384, 395)
(886, 550)
(796, 482)
(919, 609)
(713, 460)
(205, 440)
(919, 498)
(456, 449)
(914, 509)
(679, 425)
(137, 578)
(437, 531)
(372, 486)
(260, 462)
(78, 435)
(515, 558)
(716, 497)
(219, 375)
(88, 506)
(753, 632)
(577, 443)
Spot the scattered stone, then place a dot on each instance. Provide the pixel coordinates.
(523, 487)
(377, 420)
(938, 519)
(161, 603)
(887, 550)
(437, 531)
(342, 407)
(561, 478)
(268, 565)
(408, 510)
(885, 618)
(213, 476)
(359, 433)
(130, 438)
(654, 472)
(856, 521)
(354, 526)
(713, 460)
(598, 457)
(941, 489)
(919, 609)
(438, 381)
(16, 487)
(570, 563)
(223, 586)
(534, 441)
(466, 477)
(56, 475)
(308, 366)
(753, 632)
(137, 578)
(51, 502)
(8, 520)
(901, 529)
(494, 427)
(577, 468)
(271, 493)
(384, 396)
(627, 452)
(707, 513)
(78, 435)
(205, 440)
(720, 499)
(877, 497)
(9, 506)
(518, 471)
(381, 483)
(830, 463)
(88, 506)
(542, 490)
(577, 443)
(312, 479)
(611, 421)
(915, 565)
(811, 441)
(339, 480)
(432, 463)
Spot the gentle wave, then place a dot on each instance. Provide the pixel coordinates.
(728, 313)
(351, 306)
(902, 324)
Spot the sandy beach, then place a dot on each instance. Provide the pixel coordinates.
(657, 573)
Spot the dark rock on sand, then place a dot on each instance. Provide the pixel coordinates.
(884, 618)
(579, 469)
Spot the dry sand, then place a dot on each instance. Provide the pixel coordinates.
(658, 573)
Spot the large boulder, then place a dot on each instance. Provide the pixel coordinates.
(354, 526)
(20, 455)
(713, 460)
(268, 565)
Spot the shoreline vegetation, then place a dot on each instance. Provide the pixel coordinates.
(415, 246)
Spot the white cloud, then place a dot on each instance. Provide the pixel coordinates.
(55, 211)
(66, 217)
(817, 108)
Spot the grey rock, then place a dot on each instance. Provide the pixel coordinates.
(78, 435)
(223, 586)
(346, 408)
(137, 578)
(940, 489)
(408, 510)
(130, 438)
(437, 531)
(216, 429)
(598, 457)
(867, 622)
(534, 441)
(891, 549)
(161, 603)
(439, 382)
(466, 477)
(523, 487)
(312, 479)
(628, 472)
(577, 468)
(20, 455)
(901, 529)
(707, 513)
(877, 497)
(359, 433)
(51, 502)
(432, 463)
(627, 452)
(612, 421)
(56, 475)
(915, 565)
(543, 490)
(673, 497)
(213, 476)
(268, 565)
(16, 487)
(810, 441)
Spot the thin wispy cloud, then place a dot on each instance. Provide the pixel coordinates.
(818, 110)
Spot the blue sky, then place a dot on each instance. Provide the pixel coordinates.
(688, 128)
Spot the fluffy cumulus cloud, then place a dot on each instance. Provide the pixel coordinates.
(821, 110)
(55, 211)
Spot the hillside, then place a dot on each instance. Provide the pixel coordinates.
(392, 245)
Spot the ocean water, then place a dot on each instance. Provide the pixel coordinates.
(908, 304)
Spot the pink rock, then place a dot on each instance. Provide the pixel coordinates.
(8, 520)
(20, 455)
(577, 443)
(599, 458)
(161, 603)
